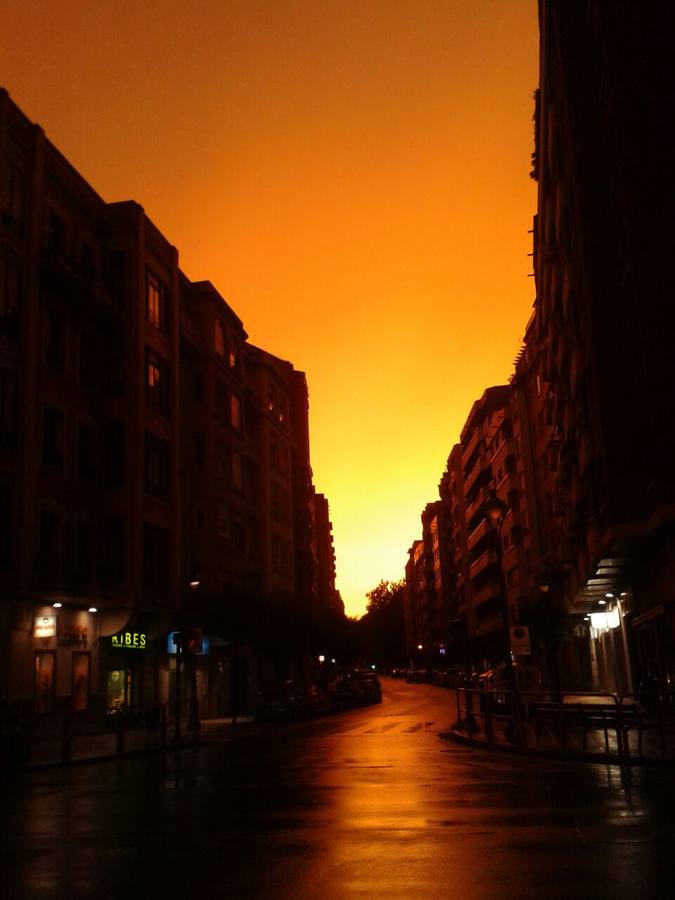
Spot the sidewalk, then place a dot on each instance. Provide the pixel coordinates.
(658, 745)
(48, 752)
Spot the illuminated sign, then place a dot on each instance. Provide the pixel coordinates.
(72, 635)
(200, 644)
(129, 640)
(45, 626)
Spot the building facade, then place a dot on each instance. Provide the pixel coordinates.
(154, 466)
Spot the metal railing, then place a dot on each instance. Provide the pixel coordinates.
(591, 724)
(65, 737)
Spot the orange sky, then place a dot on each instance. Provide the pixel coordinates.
(351, 174)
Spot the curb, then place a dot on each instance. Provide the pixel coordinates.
(458, 737)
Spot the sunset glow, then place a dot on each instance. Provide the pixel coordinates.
(353, 178)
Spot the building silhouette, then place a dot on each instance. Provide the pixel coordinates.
(155, 476)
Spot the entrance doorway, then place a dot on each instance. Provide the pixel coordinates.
(81, 672)
(45, 676)
(120, 689)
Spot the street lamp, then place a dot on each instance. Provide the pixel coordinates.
(494, 511)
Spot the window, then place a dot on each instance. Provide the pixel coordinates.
(237, 533)
(6, 519)
(8, 407)
(14, 199)
(156, 302)
(199, 449)
(156, 466)
(156, 383)
(49, 551)
(10, 296)
(235, 412)
(87, 360)
(113, 550)
(83, 553)
(117, 278)
(237, 470)
(54, 339)
(222, 460)
(155, 557)
(114, 454)
(56, 231)
(52, 437)
(219, 339)
(198, 388)
(280, 504)
(222, 520)
(279, 457)
(281, 555)
(86, 452)
(114, 356)
(233, 354)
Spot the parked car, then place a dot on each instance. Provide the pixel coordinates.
(399, 673)
(318, 700)
(416, 676)
(287, 702)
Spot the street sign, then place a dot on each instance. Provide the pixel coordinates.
(520, 640)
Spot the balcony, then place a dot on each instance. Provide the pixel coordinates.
(479, 531)
(488, 558)
(61, 270)
(490, 591)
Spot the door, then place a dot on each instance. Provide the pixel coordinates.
(45, 676)
(80, 689)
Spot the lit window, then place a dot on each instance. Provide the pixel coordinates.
(156, 309)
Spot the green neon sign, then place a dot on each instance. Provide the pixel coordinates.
(129, 640)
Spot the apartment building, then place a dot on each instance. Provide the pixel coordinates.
(154, 466)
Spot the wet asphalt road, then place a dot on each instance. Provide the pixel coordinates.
(368, 804)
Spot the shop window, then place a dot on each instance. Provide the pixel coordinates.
(53, 437)
(80, 681)
(120, 690)
(45, 678)
(8, 400)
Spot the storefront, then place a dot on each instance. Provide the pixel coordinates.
(60, 650)
(126, 655)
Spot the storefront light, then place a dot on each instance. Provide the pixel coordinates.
(602, 603)
(57, 605)
(93, 609)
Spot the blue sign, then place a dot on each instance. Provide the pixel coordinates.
(202, 648)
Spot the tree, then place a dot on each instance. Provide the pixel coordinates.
(382, 628)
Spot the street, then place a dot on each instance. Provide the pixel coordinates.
(370, 803)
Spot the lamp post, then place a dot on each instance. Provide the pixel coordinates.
(494, 511)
